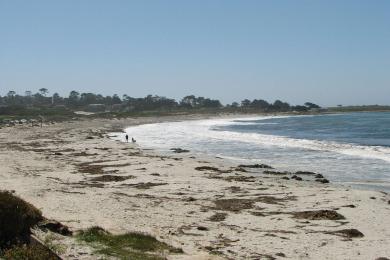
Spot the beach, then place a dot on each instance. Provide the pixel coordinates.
(75, 173)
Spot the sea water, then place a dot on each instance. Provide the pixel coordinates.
(349, 148)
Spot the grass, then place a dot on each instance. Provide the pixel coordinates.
(51, 242)
(16, 219)
(49, 113)
(135, 246)
(27, 252)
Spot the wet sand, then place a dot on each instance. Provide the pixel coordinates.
(207, 206)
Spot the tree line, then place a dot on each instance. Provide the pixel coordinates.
(76, 100)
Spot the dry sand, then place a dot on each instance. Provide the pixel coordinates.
(209, 213)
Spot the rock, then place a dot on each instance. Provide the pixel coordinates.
(261, 166)
(202, 228)
(285, 178)
(280, 254)
(296, 178)
(206, 168)
(382, 258)
(349, 206)
(305, 173)
(275, 173)
(190, 199)
(322, 180)
(179, 150)
(348, 233)
(319, 176)
(373, 198)
(55, 226)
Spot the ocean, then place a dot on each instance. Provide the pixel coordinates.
(349, 148)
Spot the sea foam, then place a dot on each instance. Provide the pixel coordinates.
(188, 133)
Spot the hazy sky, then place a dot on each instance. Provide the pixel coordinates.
(328, 52)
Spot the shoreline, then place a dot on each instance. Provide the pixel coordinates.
(218, 211)
(160, 145)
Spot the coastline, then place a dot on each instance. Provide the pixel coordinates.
(345, 162)
(219, 210)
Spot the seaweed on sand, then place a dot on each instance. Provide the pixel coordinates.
(319, 215)
(111, 178)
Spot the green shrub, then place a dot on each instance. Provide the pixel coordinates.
(135, 246)
(16, 219)
(28, 252)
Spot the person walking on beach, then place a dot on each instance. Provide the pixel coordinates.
(127, 138)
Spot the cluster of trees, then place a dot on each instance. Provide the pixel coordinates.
(28, 99)
(77, 100)
(41, 98)
(277, 106)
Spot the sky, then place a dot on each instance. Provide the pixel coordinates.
(328, 52)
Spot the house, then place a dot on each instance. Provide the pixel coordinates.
(96, 108)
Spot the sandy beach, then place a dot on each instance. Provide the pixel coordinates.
(212, 209)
